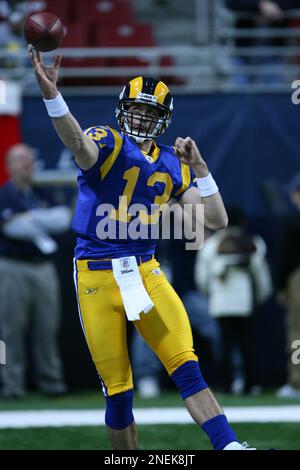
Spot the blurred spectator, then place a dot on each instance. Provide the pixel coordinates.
(29, 290)
(271, 9)
(147, 368)
(289, 286)
(231, 269)
(12, 40)
(5, 9)
(161, 3)
(8, 6)
(265, 14)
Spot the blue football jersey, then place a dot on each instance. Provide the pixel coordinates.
(120, 190)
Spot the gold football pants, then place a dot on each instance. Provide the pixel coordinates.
(166, 328)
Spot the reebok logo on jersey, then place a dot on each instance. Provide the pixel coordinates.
(90, 291)
(157, 272)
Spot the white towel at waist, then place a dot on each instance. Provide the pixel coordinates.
(134, 295)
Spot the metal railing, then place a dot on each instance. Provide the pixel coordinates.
(190, 68)
(187, 64)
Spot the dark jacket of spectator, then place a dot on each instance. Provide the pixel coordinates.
(289, 251)
(251, 5)
(275, 19)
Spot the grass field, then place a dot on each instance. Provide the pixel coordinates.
(91, 400)
(179, 437)
(262, 435)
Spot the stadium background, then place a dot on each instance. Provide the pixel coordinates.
(247, 130)
(246, 156)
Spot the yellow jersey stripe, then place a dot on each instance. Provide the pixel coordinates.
(154, 154)
(136, 86)
(161, 91)
(89, 129)
(106, 166)
(186, 178)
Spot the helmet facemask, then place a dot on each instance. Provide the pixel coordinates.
(142, 127)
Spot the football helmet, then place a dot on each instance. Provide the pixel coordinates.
(142, 126)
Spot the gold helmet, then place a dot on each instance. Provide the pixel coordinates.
(144, 90)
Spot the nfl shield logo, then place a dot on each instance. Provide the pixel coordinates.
(149, 159)
(125, 263)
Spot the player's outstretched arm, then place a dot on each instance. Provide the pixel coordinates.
(215, 216)
(68, 129)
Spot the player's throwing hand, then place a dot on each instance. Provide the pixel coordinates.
(46, 75)
(188, 152)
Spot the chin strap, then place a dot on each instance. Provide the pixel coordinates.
(140, 140)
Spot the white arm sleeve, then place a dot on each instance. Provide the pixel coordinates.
(262, 279)
(23, 228)
(261, 271)
(54, 220)
(202, 271)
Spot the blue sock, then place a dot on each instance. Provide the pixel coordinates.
(189, 379)
(219, 432)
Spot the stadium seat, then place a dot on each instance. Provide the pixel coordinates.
(295, 23)
(78, 36)
(61, 8)
(133, 62)
(103, 11)
(123, 35)
(167, 61)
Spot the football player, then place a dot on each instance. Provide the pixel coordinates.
(118, 278)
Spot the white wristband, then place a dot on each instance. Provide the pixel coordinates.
(207, 186)
(56, 107)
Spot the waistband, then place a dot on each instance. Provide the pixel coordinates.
(104, 265)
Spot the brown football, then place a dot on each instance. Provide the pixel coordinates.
(44, 31)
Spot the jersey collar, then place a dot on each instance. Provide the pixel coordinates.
(154, 152)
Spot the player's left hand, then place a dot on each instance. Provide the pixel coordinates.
(187, 152)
